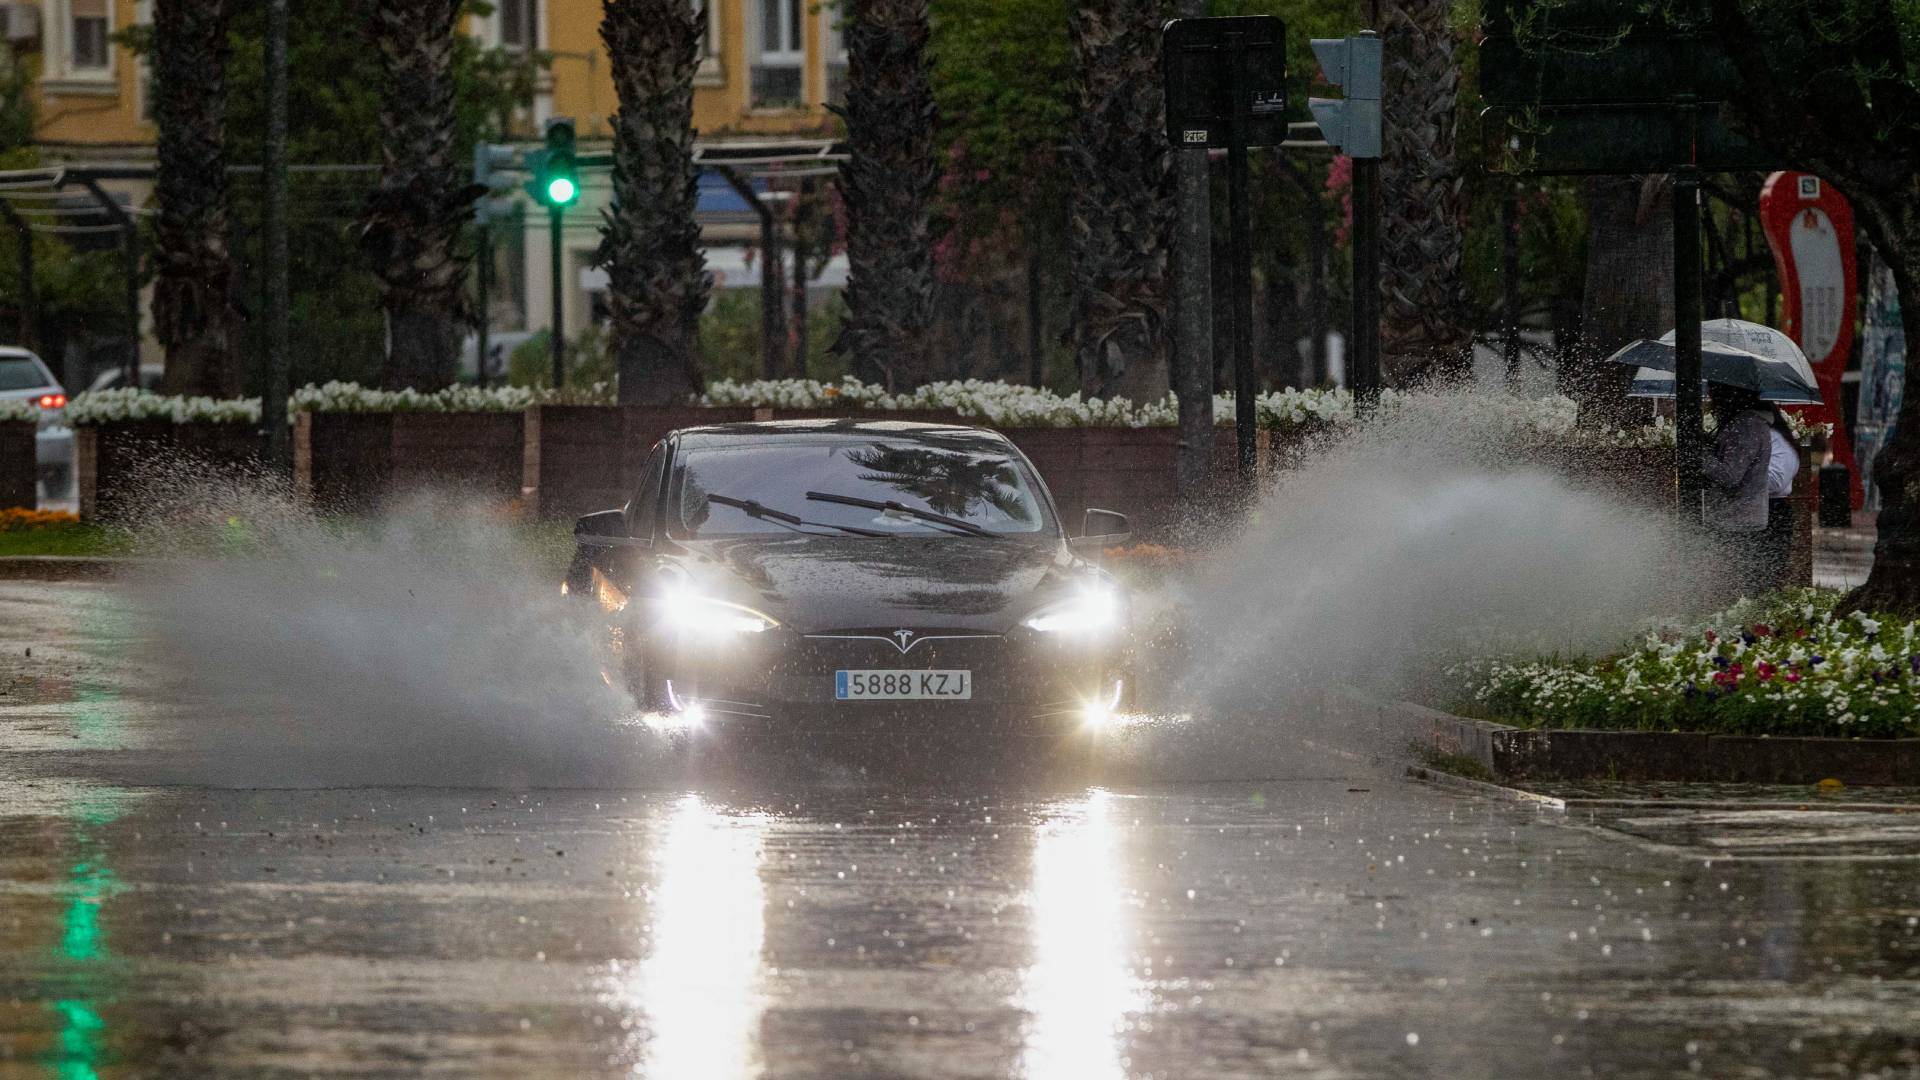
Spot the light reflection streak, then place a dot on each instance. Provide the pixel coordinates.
(700, 984)
(1079, 990)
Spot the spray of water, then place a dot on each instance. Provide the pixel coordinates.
(425, 646)
(1429, 535)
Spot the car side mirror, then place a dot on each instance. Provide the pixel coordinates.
(1102, 529)
(607, 529)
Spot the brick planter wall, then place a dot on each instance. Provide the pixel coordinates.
(583, 458)
(1128, 470)
(353, 461)
(19, 464)
(110, 458)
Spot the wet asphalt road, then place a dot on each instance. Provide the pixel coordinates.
(1330, 922)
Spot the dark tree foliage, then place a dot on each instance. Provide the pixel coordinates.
(1834, 86)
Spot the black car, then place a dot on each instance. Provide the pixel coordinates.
(857, 577)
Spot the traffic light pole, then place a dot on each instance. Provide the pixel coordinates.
(555, 215)
(1238, 230)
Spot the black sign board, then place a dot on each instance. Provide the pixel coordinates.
(1608, 86)
(1571, 140)
(1197, 66)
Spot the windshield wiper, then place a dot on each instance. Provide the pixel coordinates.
(757, 510)
(967, 527)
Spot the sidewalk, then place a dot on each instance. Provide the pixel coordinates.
(1842, 557)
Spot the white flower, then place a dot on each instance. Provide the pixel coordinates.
(18, 410)
(128, 404)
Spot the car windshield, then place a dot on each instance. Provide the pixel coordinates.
(21, 373)
(728, 489)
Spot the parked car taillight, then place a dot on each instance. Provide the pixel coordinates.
(53, 401)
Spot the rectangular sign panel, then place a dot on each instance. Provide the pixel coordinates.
(1196, 64)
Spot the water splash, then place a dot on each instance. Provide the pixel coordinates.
(428, 645)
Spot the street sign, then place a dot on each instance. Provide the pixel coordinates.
(1608, 86)
(1809, 227)
(1351, 124)
(1196, 62)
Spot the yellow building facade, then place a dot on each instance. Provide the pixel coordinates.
(768, 68)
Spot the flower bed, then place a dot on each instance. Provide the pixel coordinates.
(19, 464)
(1782, 666)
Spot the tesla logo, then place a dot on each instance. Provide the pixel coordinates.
(904, 637)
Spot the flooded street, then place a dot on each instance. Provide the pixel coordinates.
(1332, 921)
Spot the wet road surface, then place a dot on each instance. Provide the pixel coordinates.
(1327, 922)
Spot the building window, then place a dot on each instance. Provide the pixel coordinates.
(834, 45)
(519, 24)
(709, 73)
(779, 71)
(89, 25)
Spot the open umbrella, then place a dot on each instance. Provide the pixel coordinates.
(1733, 352)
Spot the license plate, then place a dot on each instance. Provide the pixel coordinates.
(903, 685)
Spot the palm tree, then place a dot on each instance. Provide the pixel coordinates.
(193, 312)
(413, 221)
(887, 185)
(1121, 225)
(1423, 328)
(650, 242)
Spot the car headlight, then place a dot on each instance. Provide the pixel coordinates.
(1089, 614)
(686, 610)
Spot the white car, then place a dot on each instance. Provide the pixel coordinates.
(24, 375)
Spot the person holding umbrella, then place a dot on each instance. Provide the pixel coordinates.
(1749, 371)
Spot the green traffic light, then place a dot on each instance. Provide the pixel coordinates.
(561, 190)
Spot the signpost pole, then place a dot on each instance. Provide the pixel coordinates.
(1193, 321)
(483, 271)
(1238, 230)
(1364, 373)
(1689, 441)
(559, 335)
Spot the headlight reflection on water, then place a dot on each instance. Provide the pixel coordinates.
(1079, 990)
(699, 986)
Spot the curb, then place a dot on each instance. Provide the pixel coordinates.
(1447, 781)
(65, 567)
(1523, 754)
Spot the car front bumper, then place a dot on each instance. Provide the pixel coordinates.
(785, 683)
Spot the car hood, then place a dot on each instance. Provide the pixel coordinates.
(821, 584)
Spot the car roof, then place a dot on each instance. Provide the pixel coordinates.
(850, 425)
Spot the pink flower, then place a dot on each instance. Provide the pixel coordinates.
(1791, 676)
(1764, 670)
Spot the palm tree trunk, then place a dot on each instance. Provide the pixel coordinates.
(193, 312)
(412, 225)
(650, 241)
(1423, 327)
(1123, 205)
(1629, 289)
(887, 184)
